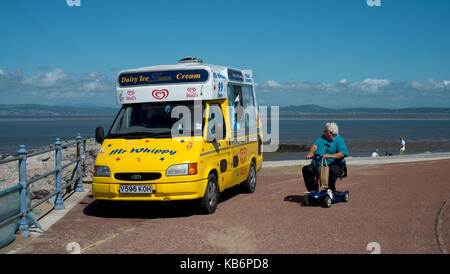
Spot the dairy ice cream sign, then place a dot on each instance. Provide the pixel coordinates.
(161, 85)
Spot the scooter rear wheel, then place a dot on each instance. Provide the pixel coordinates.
(327, 201)
(306, 200)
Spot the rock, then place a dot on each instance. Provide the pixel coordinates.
(43, 163)
(9, 175)
(40, 194)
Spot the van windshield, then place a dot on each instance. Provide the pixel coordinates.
(158, 120)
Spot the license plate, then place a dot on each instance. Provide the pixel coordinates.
(135, 189)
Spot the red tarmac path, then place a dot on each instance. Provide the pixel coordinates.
(404, 208)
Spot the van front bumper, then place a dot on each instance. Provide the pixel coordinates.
(160, 191)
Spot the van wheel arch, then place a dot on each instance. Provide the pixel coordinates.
(214, 171)
(208, 203)
(249, 184)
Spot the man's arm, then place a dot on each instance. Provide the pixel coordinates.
(312, 149)
(334, 156)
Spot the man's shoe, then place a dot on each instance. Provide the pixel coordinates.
(330, 193)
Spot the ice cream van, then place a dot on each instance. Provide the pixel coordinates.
(185, 132)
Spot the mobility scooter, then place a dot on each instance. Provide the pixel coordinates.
(325, 196)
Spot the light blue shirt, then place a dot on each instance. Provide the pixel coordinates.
(331, 147)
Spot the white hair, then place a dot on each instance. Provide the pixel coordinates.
(333, 128)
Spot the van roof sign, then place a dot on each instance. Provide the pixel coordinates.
(131, 79)
(235, 75)
(187, 80)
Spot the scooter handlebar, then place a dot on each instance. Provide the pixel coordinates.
(317, 157)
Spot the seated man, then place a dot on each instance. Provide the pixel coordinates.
(331, 146)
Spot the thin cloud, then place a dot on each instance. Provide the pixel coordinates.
(57, 86)
(53, 84)
(370, 92)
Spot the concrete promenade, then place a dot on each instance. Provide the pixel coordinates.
(398, 204)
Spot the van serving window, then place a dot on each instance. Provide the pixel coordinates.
(146, 78)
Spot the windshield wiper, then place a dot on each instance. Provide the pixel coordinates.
(159, 133)
(130, 134)
(190, 132)
(137, 135)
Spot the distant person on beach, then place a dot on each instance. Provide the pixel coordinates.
(331, 146)
(402, 145)
(376, 153)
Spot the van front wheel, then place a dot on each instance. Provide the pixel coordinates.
(208, 203)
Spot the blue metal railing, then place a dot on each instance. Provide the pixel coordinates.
(26, 207)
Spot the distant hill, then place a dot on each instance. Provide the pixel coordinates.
(44, 110)
(306, 109)
(315, 109)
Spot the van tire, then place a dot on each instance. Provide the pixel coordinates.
(208, 203)
(249, 185)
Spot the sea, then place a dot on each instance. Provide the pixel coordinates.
(362, 133)
(39, 132)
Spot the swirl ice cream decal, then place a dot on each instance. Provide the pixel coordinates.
(160, 94)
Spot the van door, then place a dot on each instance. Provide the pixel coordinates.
(251, 124)
(218, 149)
(239, 149)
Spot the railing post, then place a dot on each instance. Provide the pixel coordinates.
(59, 202)
(23, 190)
(80, 156)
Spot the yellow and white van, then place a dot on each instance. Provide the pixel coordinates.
(185, 131)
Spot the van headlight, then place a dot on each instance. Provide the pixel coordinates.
(182, 169)
(102, 171)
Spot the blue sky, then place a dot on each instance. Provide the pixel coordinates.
(336, 53)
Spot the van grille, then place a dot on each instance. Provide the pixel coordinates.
(137, 176)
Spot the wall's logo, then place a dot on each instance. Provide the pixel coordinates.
(73, 3)
(191, 93)
(373, 3)
(160, 94)
(130, 95)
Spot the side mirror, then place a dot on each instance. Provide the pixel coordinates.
(99, 135)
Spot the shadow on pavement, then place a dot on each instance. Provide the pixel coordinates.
(151, 210)
(299, 199)
(141, 210)
(294, 199)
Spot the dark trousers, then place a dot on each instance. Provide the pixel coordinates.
(309, 172)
